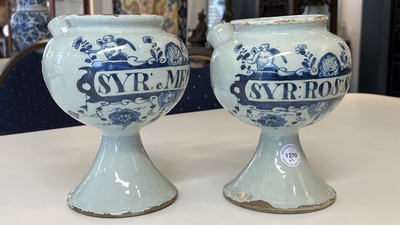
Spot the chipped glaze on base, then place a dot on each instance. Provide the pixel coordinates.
(125, 214)
(262, 206)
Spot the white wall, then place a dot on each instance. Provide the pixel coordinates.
(350, 13)
(105, 7)
(68, 7)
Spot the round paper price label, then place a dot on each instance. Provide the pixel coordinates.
(290, 155)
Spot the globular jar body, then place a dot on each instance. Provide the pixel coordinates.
(282, 72)
(118, 73)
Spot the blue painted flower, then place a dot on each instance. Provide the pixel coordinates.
(174, 54)
(124, 117)
(238, 47)
(148, 39)
(77, 42)
(301, 49)
(271, 121)
(342, 45)
(329, 65)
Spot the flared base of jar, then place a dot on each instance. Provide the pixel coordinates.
(124, 214)
(279, 179)
(122, 181)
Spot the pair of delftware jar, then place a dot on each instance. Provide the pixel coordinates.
(119, 73)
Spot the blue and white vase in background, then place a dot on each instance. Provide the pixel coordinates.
(117, 73)
(279, 74)
(29, 23)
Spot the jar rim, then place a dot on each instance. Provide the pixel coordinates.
(293, 19)
(97, 17)
(112, 20)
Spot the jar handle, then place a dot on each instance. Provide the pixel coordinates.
(58, 26)
(219, 34)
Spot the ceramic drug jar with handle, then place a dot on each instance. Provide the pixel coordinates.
(279, 74)
(29, 23)
(118, 73)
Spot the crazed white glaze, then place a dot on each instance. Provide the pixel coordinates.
(117, 73)
(279, 74)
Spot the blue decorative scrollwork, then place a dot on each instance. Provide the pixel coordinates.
(122, 82)
(271, 95)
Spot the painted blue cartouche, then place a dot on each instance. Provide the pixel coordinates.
(271, 95)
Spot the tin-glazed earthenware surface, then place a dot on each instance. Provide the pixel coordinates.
(117, 73)
(279, 74)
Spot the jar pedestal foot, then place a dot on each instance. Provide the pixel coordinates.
(122, 182)
(279, 179)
